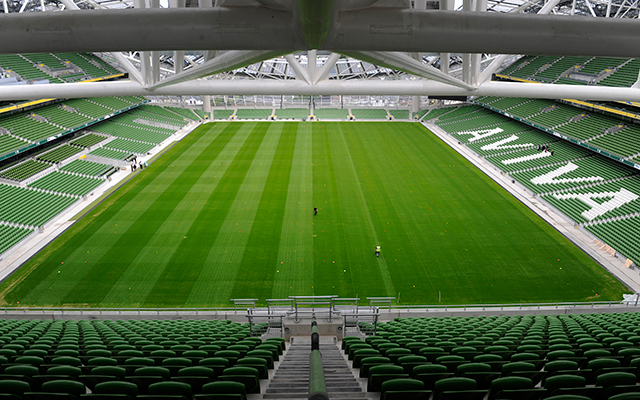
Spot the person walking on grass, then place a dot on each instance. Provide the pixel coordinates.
(315, 211)
(377, 250)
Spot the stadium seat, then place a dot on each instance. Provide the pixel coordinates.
(254, 362)
(101, 374)
(245, 375)
(403, 389)
(479, 372)
(223, 390)
(169, 390)
(457, 388)
(14, 387)
(381, 373)
(58, 390)
(196, 377)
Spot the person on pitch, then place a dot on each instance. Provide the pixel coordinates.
(315, 210)
(377, 250)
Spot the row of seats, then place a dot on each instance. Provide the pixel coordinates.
(30, 207)
(60, 182)
(24, 170)
(185, 112)
(597, 356)
(129, 146)
(77, 359)
(84, 167)
(88, 140)
(60, 153)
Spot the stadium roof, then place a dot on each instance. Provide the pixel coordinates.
(382, 47)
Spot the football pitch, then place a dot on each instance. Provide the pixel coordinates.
(228, 213)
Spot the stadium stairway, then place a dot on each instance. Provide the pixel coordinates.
(291, 380)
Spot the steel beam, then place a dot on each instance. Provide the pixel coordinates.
(334, 87)
(403, 62)
(224, 62)
(372, 29)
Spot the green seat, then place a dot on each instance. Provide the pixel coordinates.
(231, 355)
(254, 362)
(63, 386)
(451, 362)
(479, 372)
(431, 353)
(223, 390)
(245, 375)
(563, 382)
(101, 374)
(614, 383)
(171, 388)
(411, 361)
(262, 354)
(67, 360)
(457, 388)
(217, 364)
(211, 349)
(403, 389)
(554, 367)
(369, 362)
(143, 382)
(509, 383)
(14, 387)
(175, 364)
(361, 353)
(98, 361)
(381, 373)
(29, 360)
(117, 387)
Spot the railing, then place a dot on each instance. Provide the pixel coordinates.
(317, 384)
(35, 311)
(361, 311)
(520, 306)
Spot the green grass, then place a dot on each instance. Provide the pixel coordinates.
(227, 213)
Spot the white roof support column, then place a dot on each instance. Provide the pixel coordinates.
(637, 84)
(24, 5)
(208, 54)
(467, 5)
(4, 6)
(324, 71)
(301, 73)
(312, 65)
(145, 61)
(445, 5)
(155, 55)
(128, 66)
(476, 58)
(42, 6)
(178, 56)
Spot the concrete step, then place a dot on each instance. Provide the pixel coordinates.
(291, 380)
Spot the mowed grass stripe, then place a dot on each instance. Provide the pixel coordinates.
(217, 279)
(359, 238)
(329, 241)
(88, 240)
(383, 187)
(139, 279)
(257, 270)
(182, 271)
(294, 257)
(143, 227)
(402, 181)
